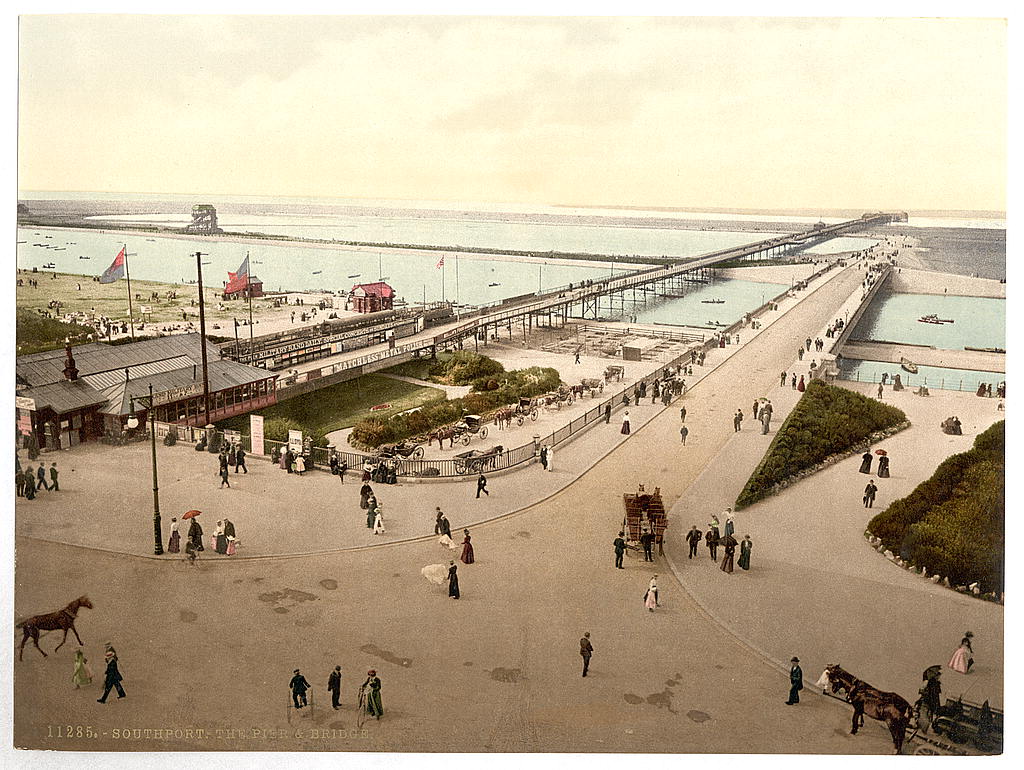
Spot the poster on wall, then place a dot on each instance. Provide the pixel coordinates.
(256, 431)
(295, 441)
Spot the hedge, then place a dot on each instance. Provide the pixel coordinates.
(953, 523)
(463, 367)
(827, 420)
(511, 386)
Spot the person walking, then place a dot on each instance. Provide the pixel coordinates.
(745, 547)
(378, 521)
(481, 486)
(963, 656)
(800, 385)
(636, 396)
(220, 539)
(19, 482)
(53, 477)
(865, 464)
(693, 538)
(240, 460)
(81, 676)
(298, 685)
(782, 380)
(753, 409)
(453, 580)
(224, 476)
(883, 466)
(544, 457)
(879, 391)
(551, 458)
(625, 423)
(766, 418)
(729, 543)
(683, 433)
(711, 538)
(334, 687)
(41, 476)
(651, 596)
(682, 414)
(796, 681)
(869, 494)
(370, 689)
(112, 679)
(195, 535)
(467, 548)
(737, 420)
(607, 413)
(931, 696)
(586, 650)
(441, 526)
(620, 549)
(174, 544)
(300, 465)
(647, 541)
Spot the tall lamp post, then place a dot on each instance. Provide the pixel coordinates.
(133, 423)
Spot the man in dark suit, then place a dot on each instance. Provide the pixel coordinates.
(796, 682)
(334, 687)
(869, 494)
(620, 548)
(112, 680)
(298, 685)
(693, 537)
(586, 650)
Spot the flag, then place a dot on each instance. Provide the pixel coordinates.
(440, 263)
(116, 269)
(240, 280)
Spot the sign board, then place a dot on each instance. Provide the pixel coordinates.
(24, 422)
(256, 433)
(295, 441)
(145, 309)
(28, 404)
(176, 394)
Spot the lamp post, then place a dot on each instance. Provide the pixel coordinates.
(133, 423)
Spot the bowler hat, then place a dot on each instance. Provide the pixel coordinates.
(794, 659)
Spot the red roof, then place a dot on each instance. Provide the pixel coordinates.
(377, 289)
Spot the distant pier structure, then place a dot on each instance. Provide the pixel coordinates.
(204, 220)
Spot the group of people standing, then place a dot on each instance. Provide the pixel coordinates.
(28, 481)
(374, 514)
(232, 455)
(883, 473)
(369, 691)
(714, 538)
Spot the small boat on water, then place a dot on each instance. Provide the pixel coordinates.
(717, 323)
(494, 284)
(22, 241)
(931, 318)
(356, 275)
(49, 266)
(908, 365)
(986, 350)
(151, 240)
(85, 257)
(317, 272)
(713, 301)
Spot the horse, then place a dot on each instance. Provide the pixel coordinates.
(441, 434)
(503, 417)
(887, 707)
(55, 621)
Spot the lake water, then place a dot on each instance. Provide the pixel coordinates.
(938, 377)
(979, 322)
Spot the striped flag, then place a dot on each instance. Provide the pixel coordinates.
(116, 269)
(240, 280)
(440, 263)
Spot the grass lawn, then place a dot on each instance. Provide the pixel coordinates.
(343, 405)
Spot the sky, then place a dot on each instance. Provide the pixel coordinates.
(774, 113)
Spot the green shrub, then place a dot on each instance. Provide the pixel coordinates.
(953, 523)
(827, 420)
(463, 367)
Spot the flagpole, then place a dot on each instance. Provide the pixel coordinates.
(237, 354)
(458, 299)
(252, 345)
(128, 275)
(202, 338)
(442, 280)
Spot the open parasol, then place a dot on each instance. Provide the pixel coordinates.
(932, 671)
(728, 541)
(881, 452)
(191, 514)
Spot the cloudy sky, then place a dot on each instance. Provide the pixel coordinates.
(744, 113)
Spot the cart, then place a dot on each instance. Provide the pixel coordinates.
(477, 461)
(594, 385)
(614, 372)
(468, 426)
(965, 722)
(404, 449)
(645, 509)
(527, 408)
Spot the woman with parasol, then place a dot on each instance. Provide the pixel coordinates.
(195, 536)
(883, 463)
(729, 543)
(930, 700)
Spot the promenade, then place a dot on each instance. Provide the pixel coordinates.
(499, 668)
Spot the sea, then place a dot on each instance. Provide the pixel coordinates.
(966, 245)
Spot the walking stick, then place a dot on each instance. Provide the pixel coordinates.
(289, 706)
(361, 714)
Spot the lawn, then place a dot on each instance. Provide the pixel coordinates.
(337, 406)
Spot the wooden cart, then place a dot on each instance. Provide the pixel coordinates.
(645, 509)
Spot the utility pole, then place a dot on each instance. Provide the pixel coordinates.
(202, 337)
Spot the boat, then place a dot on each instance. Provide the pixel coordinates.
(986, 350)
(356, 275)
(713, 301)
(931, 318)
(716, 323)
(85, 257)
(151, 240)
(317, 272)
(908, 365)
(49, 266)
(494, 284)
(22, 241)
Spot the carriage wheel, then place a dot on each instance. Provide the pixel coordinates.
(533, 413)
(465, 440)
(519, 420)
(417, 453)
(483, 433)
(460, 467)
(477, 466)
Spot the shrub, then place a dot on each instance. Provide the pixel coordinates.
(463, 367)
(171, 438)
(827, 420)
(953, 523)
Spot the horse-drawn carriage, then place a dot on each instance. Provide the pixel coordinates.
(592, 385)
(645, 513)
(478, 461)
(614, 372)
(965, 722)
(404, 449)
(527, 408)
(556, 399)
(462, 431)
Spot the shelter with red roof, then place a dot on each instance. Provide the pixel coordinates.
(371, 297)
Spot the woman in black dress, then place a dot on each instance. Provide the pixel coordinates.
(865, 465)
(883, 467)
(453, 581)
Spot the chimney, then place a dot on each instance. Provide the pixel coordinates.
(70, 370)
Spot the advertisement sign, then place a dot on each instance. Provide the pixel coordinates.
(295, 441)
(23, 402)
(24, 422)
(256, 431)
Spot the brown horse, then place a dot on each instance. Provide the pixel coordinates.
(55, 621)
(886, 707)
(503, 418)
(441, 434)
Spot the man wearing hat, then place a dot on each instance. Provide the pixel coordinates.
(334, 687)
(586, 650)
(298, 685)
(796, 681)
(112, 679)
(371, 688)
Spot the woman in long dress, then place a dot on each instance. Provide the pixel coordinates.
(371, 691)
(174, 544)
(467, 548)
(453, 580)
(82, 675)
(651, 597)
(378, 522)
(220, 539)
(883, 467)
(364, 496)
(745, 546)
(729, 527)
(551, 458)
(800, 386)
(371, 514)
(865, 462)
(625, 424)
(963, 657)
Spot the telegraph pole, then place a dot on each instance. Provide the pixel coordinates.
(202, 337)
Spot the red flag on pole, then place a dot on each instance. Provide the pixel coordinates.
(240, 280)
(116, 269)
(440, 263)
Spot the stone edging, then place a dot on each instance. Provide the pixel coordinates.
(968, 590)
